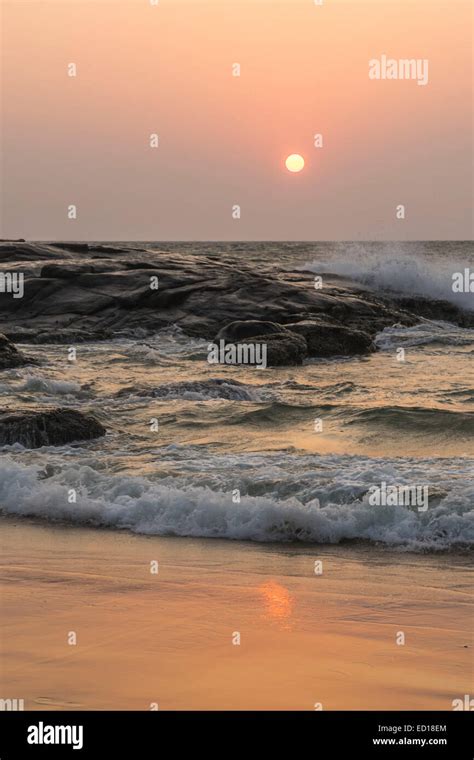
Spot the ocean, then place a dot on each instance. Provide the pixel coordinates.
(284, 454)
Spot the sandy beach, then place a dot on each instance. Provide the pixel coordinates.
(167, 638)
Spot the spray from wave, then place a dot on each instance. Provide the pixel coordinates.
(399, 272)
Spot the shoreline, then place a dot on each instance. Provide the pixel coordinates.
(351, 544)
(168, 638)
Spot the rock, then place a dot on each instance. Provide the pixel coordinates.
(22, 251)
(56, 336)
(71, 271)
(196, 390)
(99, 289)
(238, 331)
(439, 310)
(326, 339)
(75, 247)
(283, 349)
(10, 356)
(282, 346)
(54, 427)
(68, 272)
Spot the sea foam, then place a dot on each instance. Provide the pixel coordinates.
(329, 505)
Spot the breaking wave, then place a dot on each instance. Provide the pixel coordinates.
(201, 390)
(46, 385)
(399, 273)
(435, 333)
(305, 499)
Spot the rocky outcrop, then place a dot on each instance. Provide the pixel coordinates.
(282, 349)
(325, 340)
(51, 335)
(436, 309)
(95, 290)
(10, 356)
(322, 339)
(54, 427)
(238, 331)
(196, 390)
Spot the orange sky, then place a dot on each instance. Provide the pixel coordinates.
(224, 139)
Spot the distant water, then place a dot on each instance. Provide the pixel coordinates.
(258, 431)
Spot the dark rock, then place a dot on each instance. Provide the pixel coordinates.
(238, 331)
(110, 250)
(70, 271)
(57, 336)
(283, 349)
(325, 339)
(22, 251)
(65, 272)
(55, 427)
(10, 356)
(436, 309)
(106, 290)
(137, 264)
(74, 247)
(201, 390)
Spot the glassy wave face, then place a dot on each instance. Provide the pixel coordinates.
(277, 455)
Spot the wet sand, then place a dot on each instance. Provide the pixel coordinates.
(166, 639)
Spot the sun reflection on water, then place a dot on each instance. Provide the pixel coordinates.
(278, 603)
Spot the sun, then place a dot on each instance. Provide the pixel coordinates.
(294, 163)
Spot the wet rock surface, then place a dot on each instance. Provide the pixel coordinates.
(51, 427)
(10, 355)
(281, 349)
(93, 292)
(329, 339)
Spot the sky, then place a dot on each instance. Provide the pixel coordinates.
(396, 156)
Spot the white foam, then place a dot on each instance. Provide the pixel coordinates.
(209, 390)
(46, 385)
(438, 332)
(168, 343)
(398, 271)
(172, 507)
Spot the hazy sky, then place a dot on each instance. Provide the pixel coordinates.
(223, 139)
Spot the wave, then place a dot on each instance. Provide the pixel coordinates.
(441, 423)
(424, 419)
(426, 333)
(399, 272)
(234, 390)
(37, 384)
(463, 395)
(404, 419)
(327, 502)
(201, 390)
(164, 346)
